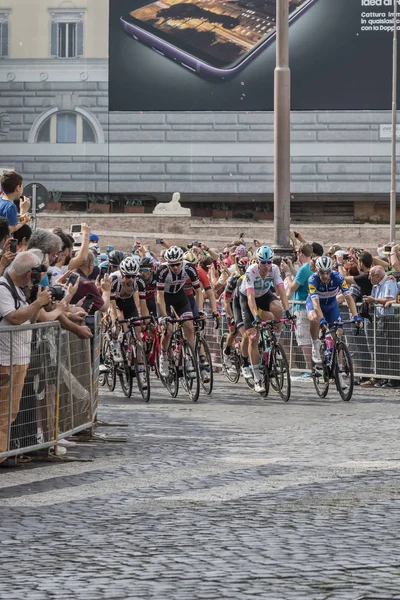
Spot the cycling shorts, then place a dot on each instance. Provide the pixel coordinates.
(180, 303)
(237, 312)
(152, 306)
(127, 306)
(193, 305)
(263, 302)
(330, 311)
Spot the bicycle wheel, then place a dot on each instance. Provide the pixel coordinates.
(111, 375)
(280, 371)
(266, 378)
(125, 372)
(205, 374)
(190, 371)
(142, 370)
(231, 373)
(172, 381)
(321, 375)
(344, 378)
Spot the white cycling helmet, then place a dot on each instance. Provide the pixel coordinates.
(174, 255)
(129, 266)
(264, 253)
(324, 264)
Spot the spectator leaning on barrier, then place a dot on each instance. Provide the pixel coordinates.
(384, 294)
(11, 184)
(298, 285)
(15, 349)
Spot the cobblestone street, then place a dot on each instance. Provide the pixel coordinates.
(234, 497)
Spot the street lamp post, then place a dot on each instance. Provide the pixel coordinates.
(282, 132)
(393, 198)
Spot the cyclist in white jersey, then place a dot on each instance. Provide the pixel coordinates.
(256, 295)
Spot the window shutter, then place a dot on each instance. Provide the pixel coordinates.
(79, 38)
(4, 38)
(54, 39)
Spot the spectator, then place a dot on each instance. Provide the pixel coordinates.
(15, 310)
(49, 243)
(23, 235)
(11, 184)
(101, 300)
(384, 292)
(298, 285)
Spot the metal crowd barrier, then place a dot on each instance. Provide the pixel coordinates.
(48, 386)
(375, 350)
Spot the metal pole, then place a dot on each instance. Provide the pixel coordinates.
(282, 131)
(393, 199)
(34, 205)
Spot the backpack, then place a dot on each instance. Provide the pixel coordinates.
(13, 291)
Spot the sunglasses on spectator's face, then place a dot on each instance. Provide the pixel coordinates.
(225, 253)
(265, 262)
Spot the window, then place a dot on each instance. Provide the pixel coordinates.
(66, 33)
(66, 128)
(4, 33)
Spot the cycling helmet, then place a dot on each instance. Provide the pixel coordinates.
(324, 264)
(146, 263)
(129, 266)
(174, 254)
(103, 256)
(264, 253)
(243, 263)
(191, 257)
(116, 257)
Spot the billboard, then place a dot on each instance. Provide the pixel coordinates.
(211, 55)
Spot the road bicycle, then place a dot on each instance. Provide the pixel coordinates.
(203, 356)
(183, 366)
(152, 345)
(274, 365)
(134, 365)
(336, 362)
(233, 371)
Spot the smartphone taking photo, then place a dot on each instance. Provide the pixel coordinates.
(87, 303)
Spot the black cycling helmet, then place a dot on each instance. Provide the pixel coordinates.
(116, 257)
(146, 263)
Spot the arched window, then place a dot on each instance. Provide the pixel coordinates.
(66, 127)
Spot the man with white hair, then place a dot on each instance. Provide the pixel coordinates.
(15, 348)
(384, 293)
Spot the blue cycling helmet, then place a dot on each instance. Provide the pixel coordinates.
(103, 256)
(264, 253)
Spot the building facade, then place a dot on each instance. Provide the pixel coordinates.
(56, 129)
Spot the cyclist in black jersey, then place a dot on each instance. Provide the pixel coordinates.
(147, 287)
(171, 278)
(235, 321)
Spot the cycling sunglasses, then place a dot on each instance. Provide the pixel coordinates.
(265, 262)
(129, 276)
(175, 264)
(145, 270)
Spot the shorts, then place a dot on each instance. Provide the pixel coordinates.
(128, 307)
(180, 303)
(302, 330)
(331, 311)
(263, 302)
(237, 312)
(193, 305)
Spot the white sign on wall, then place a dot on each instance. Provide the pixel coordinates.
(385, 132)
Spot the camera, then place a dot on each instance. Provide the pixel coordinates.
(37, 273)
(57, 292)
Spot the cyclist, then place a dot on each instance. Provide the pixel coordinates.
(256, 294)
(147, 287)
(321, 305)
(124, 304)
(171, 278)
(235, 321)
(111, 264)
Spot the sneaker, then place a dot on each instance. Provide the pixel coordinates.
(380, 383)
(246, 372)
(66, 443)
(116, 352)
(342, 381)
(227, 361)
(369, 383)
(190, 370)
(103, 368)
(205, 374)
(164, 365)
(259, 387)
(305, 375)
(316, 355)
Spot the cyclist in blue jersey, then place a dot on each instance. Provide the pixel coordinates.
(322, 306)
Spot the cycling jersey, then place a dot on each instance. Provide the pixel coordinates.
(327, 292)
(147, 289)
(232, 286)
(203, 278)
(116, 286)
(253, 281)
(171, 282)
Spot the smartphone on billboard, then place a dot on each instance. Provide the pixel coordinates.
(213, 38)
